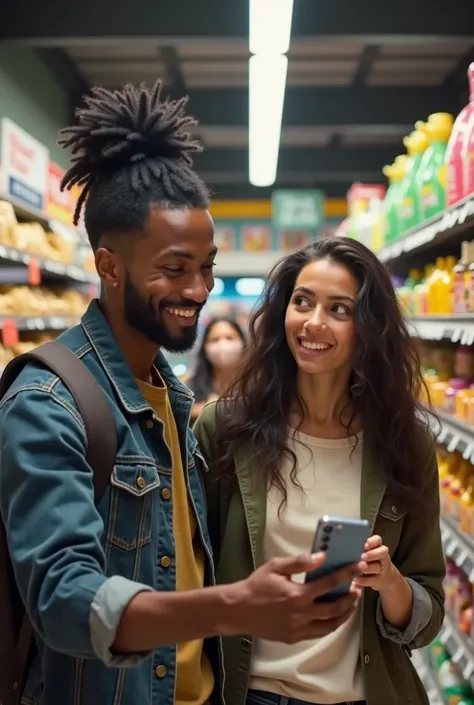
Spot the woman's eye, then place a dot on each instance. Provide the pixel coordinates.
(341, 310)
(300, 301)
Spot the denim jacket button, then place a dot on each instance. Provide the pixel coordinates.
(165, 561)
(160, 671)
(166, 493)
(149, 424)
(141, 482)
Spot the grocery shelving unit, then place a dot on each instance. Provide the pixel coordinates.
(22, 267)
(440, 235)
(453, 222)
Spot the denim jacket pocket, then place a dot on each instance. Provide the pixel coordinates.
(132, 498)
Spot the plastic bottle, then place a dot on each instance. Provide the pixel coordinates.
(467, 506)
(452, 683)
(457, 151)
(431, 176)
(469, 279)
(420, 292)
(395, 173)
(410, 212)
(433, 288)
(460, 285)
(444, 287)
(467, 153)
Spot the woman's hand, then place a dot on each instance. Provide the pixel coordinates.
(378, 571)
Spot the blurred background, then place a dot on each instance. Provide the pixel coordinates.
(317, 117)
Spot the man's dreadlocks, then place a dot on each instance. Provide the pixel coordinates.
(131, 149)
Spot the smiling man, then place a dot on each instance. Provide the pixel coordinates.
(121, 595)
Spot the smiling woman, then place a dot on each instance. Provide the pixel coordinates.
(325, 419)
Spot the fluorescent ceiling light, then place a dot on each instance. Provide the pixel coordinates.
(267, 81)
(249, 286)
(270, 26)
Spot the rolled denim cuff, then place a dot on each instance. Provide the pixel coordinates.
(107, 608)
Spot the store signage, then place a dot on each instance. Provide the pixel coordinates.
(60, 205)
(24, 163)
(298, 209)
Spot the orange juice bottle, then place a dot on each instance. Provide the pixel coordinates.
(453, 461)
(457, 488)
(467, 505)
(434, 283)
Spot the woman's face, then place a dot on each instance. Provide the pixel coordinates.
(224, 346)
(319, 321)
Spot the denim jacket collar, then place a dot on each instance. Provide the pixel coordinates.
(116, 367)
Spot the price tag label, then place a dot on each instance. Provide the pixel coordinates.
(34, 272)
(468, 452)
(10, 335)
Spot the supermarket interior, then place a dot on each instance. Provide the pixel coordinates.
(374, 139)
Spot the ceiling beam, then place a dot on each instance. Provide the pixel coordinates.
(246, 191)
(66, 73)
(175, 83)
(335, 163)
(121, 19)
(326, 106)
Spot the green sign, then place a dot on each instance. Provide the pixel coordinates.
(298, 210)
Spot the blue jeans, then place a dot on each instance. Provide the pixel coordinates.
(260, 697)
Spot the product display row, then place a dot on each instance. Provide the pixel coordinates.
(435, 172)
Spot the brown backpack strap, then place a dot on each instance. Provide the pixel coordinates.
(90, 399)
(101, 434)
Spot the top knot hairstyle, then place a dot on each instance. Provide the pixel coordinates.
(130, 149)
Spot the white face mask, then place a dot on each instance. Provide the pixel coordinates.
(224, 353)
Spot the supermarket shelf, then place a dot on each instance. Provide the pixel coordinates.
(440, 228)
(429, 679)
(247, 264)
(460, 646)
(9, 256)
(458, 328)
(455, 435)
(458, 546)
(40, 323)
(26, 212)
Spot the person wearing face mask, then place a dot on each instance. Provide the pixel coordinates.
(218, 358)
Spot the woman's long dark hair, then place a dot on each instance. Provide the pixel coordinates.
(385, 385)
(200, 381)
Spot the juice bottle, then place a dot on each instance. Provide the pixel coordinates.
(431, 176)
(457, 157)
(467, 506)
(460, 289)
(452, 465)
(468, 146)
(433, 287)
(420, 292)
(410, 213)
(457, 488)
(444, 287)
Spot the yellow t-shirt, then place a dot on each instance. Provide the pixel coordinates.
(194, 677)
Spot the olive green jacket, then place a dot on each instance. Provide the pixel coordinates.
(237, 513)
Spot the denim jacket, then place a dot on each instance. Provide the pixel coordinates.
(78, 565)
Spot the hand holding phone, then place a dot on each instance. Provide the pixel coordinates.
(343, 542)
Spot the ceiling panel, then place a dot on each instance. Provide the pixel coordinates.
(431, 65)
(402, 78)
(322, 67)
(368, 140)
(440, 48)
(209, 48)
(328, 80)
(130, 68)
(115, 50)
(315, 46)
(215, 68)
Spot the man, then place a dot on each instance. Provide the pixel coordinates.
(121, 584)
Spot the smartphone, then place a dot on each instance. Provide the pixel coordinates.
(343, 541)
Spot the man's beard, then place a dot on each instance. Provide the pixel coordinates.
(142, 315)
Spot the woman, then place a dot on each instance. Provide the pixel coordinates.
(219, 355)
(325, 419)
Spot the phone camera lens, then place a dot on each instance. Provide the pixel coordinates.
(328, 529)
(324, 546)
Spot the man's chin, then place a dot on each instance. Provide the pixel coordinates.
(180, 343)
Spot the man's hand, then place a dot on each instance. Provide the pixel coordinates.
(269, 605)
